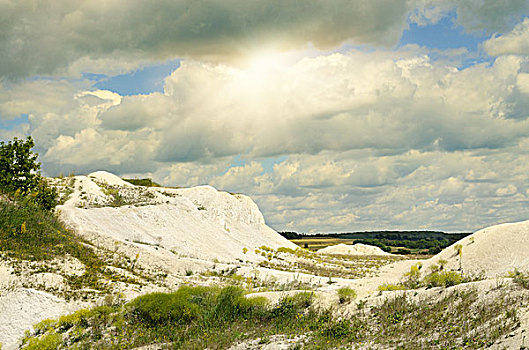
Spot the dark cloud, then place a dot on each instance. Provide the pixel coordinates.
(42, 37)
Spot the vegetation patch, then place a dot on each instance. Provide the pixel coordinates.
(437, 277)
(35, 238)
(520, 278)
(306, 261)
(216, 318)
(346, 295)
(147, 182)
(458, 320)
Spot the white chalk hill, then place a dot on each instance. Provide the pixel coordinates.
(493, 251)
(198, 222)
(355, 249)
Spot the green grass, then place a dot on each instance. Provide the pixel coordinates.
(457, 320)
(190, 318)
(437, 278)
(216, 318)
(30, 233)
(443, 279)
(391, 287)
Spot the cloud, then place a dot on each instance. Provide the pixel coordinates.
(39, 37)
(376, 139)
(514, 43)
(330, 103)
(491, 16)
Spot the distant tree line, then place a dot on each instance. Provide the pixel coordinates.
(433, 241)
(433, 246)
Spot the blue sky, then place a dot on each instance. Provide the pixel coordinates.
(445, 34)
(145, 80)
(331, 118)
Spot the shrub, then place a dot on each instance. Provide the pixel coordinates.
(391, 287)
(50, 341)
(159, 308)
(291, 305)
(78, 318)
(19, 173)
(413, 276)
(189, 304)
(443, 279)
(44, 195)
(231, 304)
(520, 278)
(44, 326)
(346, 294)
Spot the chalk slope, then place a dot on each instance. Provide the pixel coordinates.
(492, 251)
(198, 222)
(356, 249)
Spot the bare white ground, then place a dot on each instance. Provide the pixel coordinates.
(492, 251)
(22, 308)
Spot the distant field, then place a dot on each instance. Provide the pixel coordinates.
(409, 243)
(319, 243)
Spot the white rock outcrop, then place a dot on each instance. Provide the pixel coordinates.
(198, 222)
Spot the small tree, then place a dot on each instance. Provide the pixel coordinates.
(18, 166)
(19, 173)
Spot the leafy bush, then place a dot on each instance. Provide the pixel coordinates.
(231, 304)
(19, 174)
(50, 341)
(159, 308)
(18, 166)
(443, 279)
(346, 294)
(44, 195)
(291, 305)
(189, 304)
(520, 278)
(390, 287)
(413, 277)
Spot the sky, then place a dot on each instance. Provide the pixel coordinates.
(334, 116)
